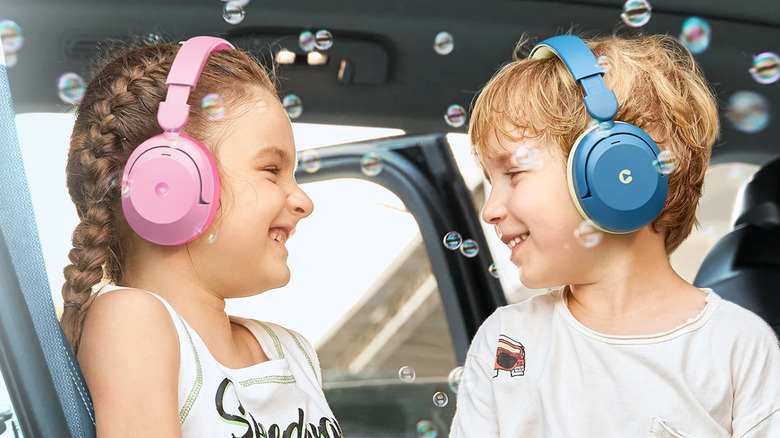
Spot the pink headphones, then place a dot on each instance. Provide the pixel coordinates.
(170, 185)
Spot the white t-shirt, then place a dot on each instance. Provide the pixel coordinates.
(534, 371)
(281, 397)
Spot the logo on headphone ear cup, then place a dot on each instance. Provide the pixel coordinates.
(628, 202)
(173, 191)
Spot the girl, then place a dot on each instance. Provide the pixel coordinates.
(159, 354)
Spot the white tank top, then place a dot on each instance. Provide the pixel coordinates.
(280, 398)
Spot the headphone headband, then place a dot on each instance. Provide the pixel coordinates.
(183, 77)
(583, 66)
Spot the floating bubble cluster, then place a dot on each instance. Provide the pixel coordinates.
(748, 111)
(453, 240)
(70, 88)
(456, 116)
(443, 43)
(766, 68)
(406, 374)
(233, 11)
(310, 160)
(666, 163)
(213, 106)
(636, 13)
(371, 164)
(695, 34)
(588, 235)
(469, 248)
(440, 399)
(293, 105)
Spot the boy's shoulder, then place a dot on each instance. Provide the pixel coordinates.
(732, 321)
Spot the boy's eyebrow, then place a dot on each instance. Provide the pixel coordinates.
(501, 160)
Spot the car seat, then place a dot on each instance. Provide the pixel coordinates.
(744, 265)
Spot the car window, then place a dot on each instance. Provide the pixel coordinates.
(9, 426)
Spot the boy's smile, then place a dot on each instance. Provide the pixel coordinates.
(531, 207)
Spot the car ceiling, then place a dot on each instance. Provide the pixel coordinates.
(398, 80)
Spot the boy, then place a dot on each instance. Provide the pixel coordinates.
(627, 348)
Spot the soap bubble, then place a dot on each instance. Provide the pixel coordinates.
(440, 399)
(406, 374)
(426, 429)
(456, 116)
(443, 43)
(636, 13)
(151, 39)
(766, 68)
(603, 63)
(127, 188)
(323, 40)
(310, 160)
(748, 111)
(588, 235)
(213, 106)
(70, 88)
(452, 240)
(233, 12)
(371, 164)
(526, 158)
(695, 34)
(11, 35)
(469, 248)
(493, 269)
(666, 163)
(454, 379)
(307, 41)
(293, 105)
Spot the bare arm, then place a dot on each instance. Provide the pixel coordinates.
(129, 355)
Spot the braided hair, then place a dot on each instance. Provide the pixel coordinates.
(117, 113)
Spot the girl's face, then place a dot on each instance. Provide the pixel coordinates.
(530, 200)
(260, 204)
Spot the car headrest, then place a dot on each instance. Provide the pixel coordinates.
(760, 198)
(744, 268)
(744, 265)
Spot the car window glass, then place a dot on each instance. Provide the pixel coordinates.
(363, 292)
(9, 425)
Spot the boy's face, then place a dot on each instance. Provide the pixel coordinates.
(533, 202)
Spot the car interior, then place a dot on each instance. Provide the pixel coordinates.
(391, 353)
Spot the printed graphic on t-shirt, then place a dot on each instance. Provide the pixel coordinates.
(510, 356)
(231, 411)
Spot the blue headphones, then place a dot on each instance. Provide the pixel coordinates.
(612, 179)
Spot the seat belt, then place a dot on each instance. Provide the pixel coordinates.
(19, 230)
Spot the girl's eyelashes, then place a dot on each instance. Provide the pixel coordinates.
(273, 169)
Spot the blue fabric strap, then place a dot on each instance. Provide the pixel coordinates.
(18, 225)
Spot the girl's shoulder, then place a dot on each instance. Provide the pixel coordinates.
(284, 343)
(129, 346)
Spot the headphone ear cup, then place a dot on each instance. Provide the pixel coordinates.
(612, 179)
(170, 193)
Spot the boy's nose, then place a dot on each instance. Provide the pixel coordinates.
(493, 211)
